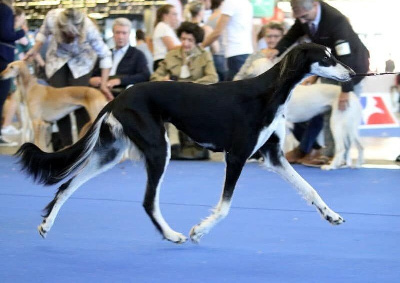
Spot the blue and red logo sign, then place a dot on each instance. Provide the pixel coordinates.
(376, 111)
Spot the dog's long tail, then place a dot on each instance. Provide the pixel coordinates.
(50, 168)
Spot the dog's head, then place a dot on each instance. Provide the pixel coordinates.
(13, 70)
(318, 60)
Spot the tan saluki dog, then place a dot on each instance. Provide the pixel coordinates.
(48, 104)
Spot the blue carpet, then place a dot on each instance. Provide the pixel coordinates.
(380, 132)
(102, 233)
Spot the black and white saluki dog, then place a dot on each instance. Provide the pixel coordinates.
(237, 118)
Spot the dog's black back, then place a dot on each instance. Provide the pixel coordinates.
(216, 114)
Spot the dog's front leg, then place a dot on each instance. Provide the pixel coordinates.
(42, 135)
(39, 136)
(26, 124)
(274, 159)
(234, 166)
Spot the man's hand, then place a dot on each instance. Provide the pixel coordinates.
(106, 91)
(343, 101)
(270, 53)
(113, 82)
(95, 81)
(310, 80)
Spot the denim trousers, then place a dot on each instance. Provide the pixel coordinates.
(220, 66)
(234, 65)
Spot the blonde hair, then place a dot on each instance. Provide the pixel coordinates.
(71, 21)
(195, 7)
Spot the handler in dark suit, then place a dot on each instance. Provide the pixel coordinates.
(326, 26)
(129, 64)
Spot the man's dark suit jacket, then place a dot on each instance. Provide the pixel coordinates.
(333, 29)
(132, 68)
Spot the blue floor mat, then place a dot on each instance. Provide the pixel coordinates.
(102, 233)
(380, 132)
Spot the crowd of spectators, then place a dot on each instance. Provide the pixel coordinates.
(213, 42)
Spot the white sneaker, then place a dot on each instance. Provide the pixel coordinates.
(10, 130)
(5, 142)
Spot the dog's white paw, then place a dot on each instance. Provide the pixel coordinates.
(45, 227)
(328, 167)
(175, 237)
(196, 233)
(42, 231)
(331, 216)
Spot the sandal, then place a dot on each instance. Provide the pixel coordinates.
(318, 161)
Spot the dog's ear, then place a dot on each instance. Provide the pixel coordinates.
(294, 61)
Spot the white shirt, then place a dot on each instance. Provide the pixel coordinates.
(80, 56)
(162, 29)
(118, 54)
(239, 28)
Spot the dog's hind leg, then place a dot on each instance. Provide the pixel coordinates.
(234, 165)
(107, 152)
(360, 149)
(342, 146)
(157, 159)
(274, 159)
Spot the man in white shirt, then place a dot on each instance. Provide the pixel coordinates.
(237, 22)
(129, 64)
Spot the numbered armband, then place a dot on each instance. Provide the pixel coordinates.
(342, 48)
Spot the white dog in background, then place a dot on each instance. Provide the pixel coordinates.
(311, 100)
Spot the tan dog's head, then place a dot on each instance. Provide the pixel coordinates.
(14, 69)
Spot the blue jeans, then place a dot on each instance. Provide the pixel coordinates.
(306, 133)
(220, 66)
(234, 65)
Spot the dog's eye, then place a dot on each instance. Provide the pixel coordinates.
(325, 59)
